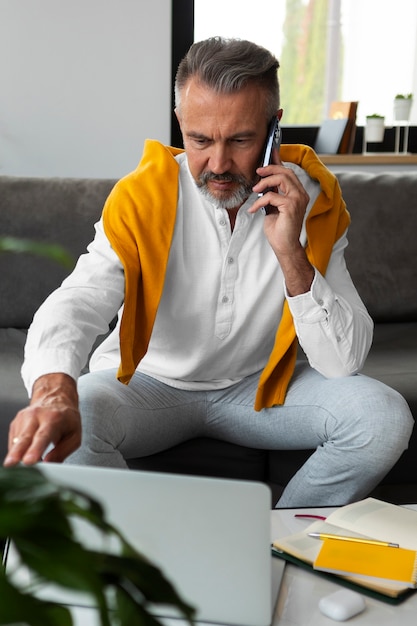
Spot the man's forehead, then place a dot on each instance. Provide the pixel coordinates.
(195, 88)
(200, 100)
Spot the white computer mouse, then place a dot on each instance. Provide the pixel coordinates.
(342, 604)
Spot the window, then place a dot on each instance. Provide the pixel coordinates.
(328, 50)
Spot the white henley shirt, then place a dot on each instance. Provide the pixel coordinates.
(220, 308)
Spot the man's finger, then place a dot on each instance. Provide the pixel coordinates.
(18, 445)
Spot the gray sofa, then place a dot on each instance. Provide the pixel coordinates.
(382, 258)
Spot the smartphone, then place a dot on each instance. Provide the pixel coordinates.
(273, 142)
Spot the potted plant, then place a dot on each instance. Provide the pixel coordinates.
(402, 106)
(37, 515)
(375, 128)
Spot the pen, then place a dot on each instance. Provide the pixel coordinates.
(374, 542)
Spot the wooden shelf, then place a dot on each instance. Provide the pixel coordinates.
(376, 158)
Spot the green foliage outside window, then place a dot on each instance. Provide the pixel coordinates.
(302, 71)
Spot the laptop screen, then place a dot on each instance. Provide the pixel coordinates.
(210, 537)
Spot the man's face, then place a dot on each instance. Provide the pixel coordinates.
(223, 135)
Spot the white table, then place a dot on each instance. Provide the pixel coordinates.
(301, 590)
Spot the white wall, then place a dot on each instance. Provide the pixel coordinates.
(82, 84)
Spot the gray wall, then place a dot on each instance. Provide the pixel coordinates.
(82, 84)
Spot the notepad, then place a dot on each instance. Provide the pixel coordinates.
(369, 519)
(375, 562)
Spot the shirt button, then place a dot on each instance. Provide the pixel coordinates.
(321, 302)
(338, 339)
(230, 260)
(222, 222)
(225, 299)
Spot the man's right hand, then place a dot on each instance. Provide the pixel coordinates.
(52, 418)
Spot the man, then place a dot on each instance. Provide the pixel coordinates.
(216, 296)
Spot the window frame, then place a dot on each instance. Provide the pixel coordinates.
(182, 37)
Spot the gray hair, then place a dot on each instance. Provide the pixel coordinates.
(228, 65)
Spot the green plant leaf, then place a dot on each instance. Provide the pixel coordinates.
(127, 612)
(16, 605)
(51, 251)
(144, 584)
(39, 517)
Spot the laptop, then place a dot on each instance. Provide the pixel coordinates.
(211, 537)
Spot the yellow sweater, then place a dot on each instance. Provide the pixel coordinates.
(139, 219)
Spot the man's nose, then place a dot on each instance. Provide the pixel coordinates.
(220, 159)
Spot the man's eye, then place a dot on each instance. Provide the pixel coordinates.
(241, 141)
(200, 141)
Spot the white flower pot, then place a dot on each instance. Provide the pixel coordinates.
(374, 129)
(402, 108)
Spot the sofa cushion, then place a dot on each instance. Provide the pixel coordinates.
(382, 251)
(393, 359)
(207, 457)
(55, 210)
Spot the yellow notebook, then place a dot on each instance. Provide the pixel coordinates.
(370, 561)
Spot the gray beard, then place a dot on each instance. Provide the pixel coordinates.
(233, 200)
